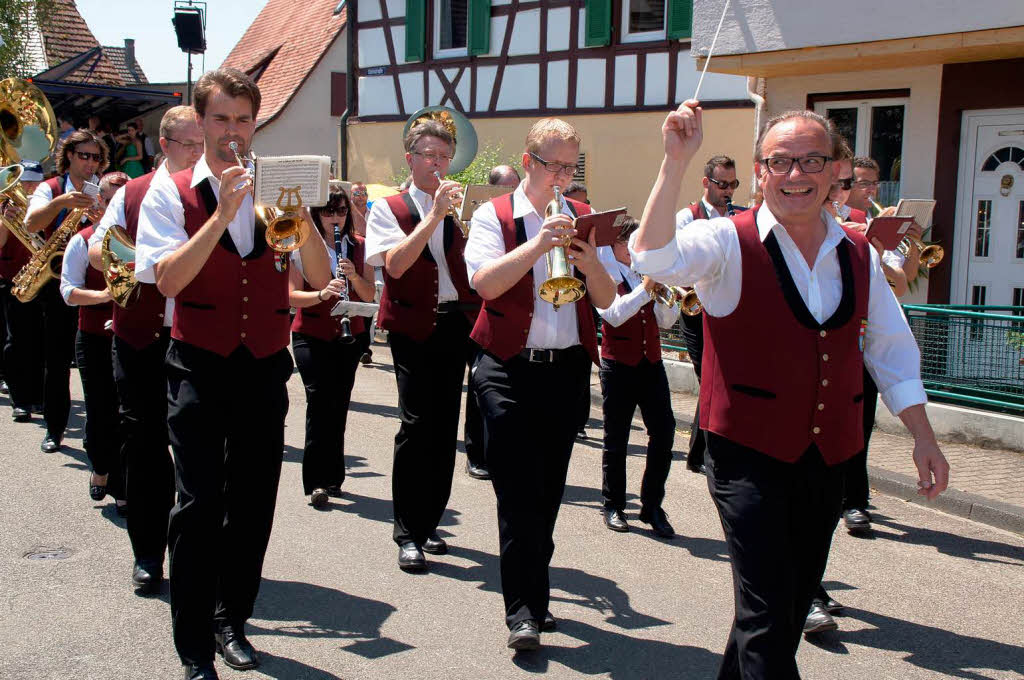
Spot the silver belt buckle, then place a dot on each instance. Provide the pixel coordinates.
(535, 353)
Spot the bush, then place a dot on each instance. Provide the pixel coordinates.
(488, 156)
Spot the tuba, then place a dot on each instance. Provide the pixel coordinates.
(561, 287)
(465, 146)
(117, 262)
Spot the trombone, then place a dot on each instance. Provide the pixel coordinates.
(286, 229)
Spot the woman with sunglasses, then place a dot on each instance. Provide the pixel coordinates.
(327, 363)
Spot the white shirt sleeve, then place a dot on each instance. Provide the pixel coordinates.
(39, 199)
(161, 229)
(666, 316)
(76, 262)
(113, 215)
(893, 258)
(700, 253)
(683, 217)
(382, 233)
(891, 354)
(485, 241)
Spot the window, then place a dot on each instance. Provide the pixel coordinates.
(873, 128)
(643, 20)
(983, 228)
(1013, 154)
(450, 21)
(1020, 232)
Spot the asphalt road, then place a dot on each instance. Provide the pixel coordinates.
(930, 596)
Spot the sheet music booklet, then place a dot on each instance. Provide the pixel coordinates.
(311, 173)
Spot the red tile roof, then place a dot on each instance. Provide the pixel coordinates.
(295, 38)
(67, 36)
(131, 75)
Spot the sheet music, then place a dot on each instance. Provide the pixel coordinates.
(311, 173)
(918, 208)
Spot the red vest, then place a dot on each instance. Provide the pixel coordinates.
(139, 325)
(13, 256)
(232, 301)
(93, 318)
(317, 321)
(409, 305)
(636, 338)
(504, 322)
(773, 379)
(697, 210)
(858, 216)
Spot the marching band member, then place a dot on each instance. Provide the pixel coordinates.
(82, 155)
(327, 360)
(427, 308)
(227, 365)
(83, 287)
(534, 367)
(141, 335)
(779, 430)
(632, 374)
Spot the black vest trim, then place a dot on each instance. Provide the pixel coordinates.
(796, 303)
(259, 241)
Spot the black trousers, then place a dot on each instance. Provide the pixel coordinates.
(693, 336)
(328, 370)
(473, 429)
(365, 340)
(60, 326)
(141, 379)
(225, 418)
(624, 388)
(528, 444)
(778, 520)
(5, 292)
(429, 376)
(856, 493)
(102, 441)
(23, 351)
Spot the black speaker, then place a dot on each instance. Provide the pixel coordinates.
(188, 26)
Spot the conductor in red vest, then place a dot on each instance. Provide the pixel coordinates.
(428, 309)
(535, 365)
(781, 421)
(142, 332)
(227, 365)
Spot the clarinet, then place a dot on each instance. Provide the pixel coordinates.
(346, 323)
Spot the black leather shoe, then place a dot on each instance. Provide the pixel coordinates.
(819, 621)
(695, 465)
(20, 415)
(334, 491)
(830, 605)
(658, 521)
(857, 520)
(97, 492)
(195, 671)
(121, 509)
(548, 624)
(616, 520)
(146, 577)
(319, 499)
(49, 445)
(366, 358)
(410, 557)
(3, 387)
(582, 433)
(238, 653)
(37, 409)
(524, 635)
(477, 471)
(435, 545)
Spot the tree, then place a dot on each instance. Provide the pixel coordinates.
(18, 22)
(488, 156)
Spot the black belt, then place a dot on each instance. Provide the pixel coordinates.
(548, 356)
(449, 307)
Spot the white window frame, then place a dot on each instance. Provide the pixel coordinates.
(864, 107)
(451, 52)
(640, 36)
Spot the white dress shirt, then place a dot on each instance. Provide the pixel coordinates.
(162, 222)
(115, 215)
(707, 255)
(549, 328)
(685, 216)
(332, 258)
(42, 196)
(74, 267)
(383, 234)
(623, 307)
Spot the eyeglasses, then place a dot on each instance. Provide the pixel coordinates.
(87, 156)
(188, 146)
(358, 194)
(782, 165)
(845, 183)
(555, 168)
(866, 184)
(725, 185)
(432, 156)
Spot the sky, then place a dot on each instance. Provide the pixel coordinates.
(156, 47)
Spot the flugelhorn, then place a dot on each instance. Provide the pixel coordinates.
(931, 254)
(561, 287)
(453, 210)
(286, 229)
(117, 262)
(670, 296)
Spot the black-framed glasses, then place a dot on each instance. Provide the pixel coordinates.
(188, 146)
(555, 168)
(845, 183)
(721, 184)
(88, 156)
(432, 156)
(866, 184)
(782, 165)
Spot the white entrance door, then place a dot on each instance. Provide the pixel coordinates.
(989, 262)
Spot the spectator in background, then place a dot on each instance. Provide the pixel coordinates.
(109, 184)
(149, 147)
(158, 160)
(504, 176)
(577, 191)
(131, 161)
(66, 127)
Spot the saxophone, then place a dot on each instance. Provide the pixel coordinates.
(46, 262)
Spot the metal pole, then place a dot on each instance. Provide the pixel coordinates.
(188, 89)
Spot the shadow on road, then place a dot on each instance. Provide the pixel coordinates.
(956, 545)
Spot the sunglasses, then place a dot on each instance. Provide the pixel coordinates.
(341, 210)
(87, 156)
(725, 185)
(358, 194)
(845, 183)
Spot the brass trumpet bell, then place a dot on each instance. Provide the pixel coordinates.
(561, 287)
(931, 254)
(689, 303)
(286, 230)
(117, 261)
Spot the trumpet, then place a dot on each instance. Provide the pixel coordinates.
(561, 287)
(931, 254)
(670, 296)
(286, 230)
(453, 210)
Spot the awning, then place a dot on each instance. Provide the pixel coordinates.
(77, 101)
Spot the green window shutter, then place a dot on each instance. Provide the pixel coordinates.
(415, 30)
(680, 19)
(599, 22)
(479, 24)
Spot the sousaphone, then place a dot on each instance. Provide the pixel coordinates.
(457, 124)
